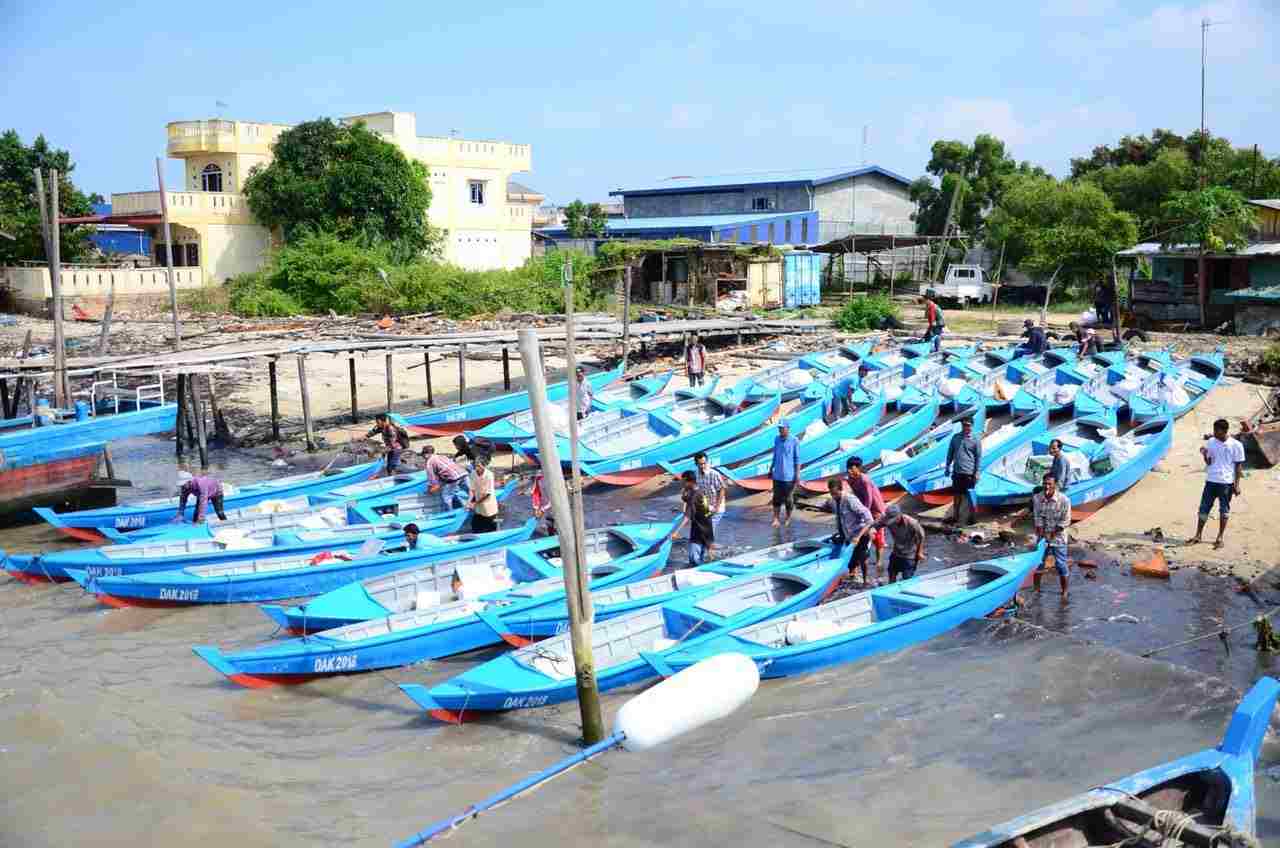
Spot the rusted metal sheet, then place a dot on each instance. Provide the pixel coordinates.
(1262, 444)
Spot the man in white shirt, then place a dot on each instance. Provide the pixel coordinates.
(1224, 458)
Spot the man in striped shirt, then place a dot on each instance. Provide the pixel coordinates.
(853, 523)
(444, 476)
(712, 484)
(1052, 514)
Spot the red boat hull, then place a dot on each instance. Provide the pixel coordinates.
(450, 428)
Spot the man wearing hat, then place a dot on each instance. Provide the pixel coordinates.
(584, 394)
(207, 491)
(1035, 343)
(1088, 345)
(908, 543)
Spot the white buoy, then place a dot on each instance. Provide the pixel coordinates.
(704, 692)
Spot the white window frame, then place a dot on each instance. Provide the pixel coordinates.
(211, 170)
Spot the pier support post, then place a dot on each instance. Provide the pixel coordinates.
(462, 374)
(275, 400)
(506, 369)
(390, 385)
(626, 316)
(351, 372)
(306, 403)
(181, 419)
(426, 366)
(197, 411)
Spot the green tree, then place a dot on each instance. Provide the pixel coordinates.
(583, 220)
(1214, 220)
(983, 168)
(1142, 189)
(344, 179)
(1066, 232)
(19, 210)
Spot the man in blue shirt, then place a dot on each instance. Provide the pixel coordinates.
(1035, 343)
(783, 471)
(964, 462)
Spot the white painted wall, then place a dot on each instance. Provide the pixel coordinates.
(231, 249)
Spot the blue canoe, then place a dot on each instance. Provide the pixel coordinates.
(1011, 479)
(934, 486)
(815, 442)
(441, 626)
(1209, 794)
(628, 452)
(891, 435)
(1194, 376)
(300, 510)
(618, 395)
(99, 428)
(84, 524)
(247, 581)
(611, 556)
(856, 626)
(757, 442)
(630, 648)
(453, 420)
(520, 626)
(928, 450)
(825, 368)
(1055, 387)
(912, 383)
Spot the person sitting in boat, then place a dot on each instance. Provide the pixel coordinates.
(853, 524)
(395, 437)
(444, 476)
(411, 534)
(1088, 345)
(1036, 343)
(206, 490)
(584, 394)
(1051, 511)
(908, 543)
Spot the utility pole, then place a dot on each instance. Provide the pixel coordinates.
(577, 600)
(51, 230)
(168, 255)
(1205, 23)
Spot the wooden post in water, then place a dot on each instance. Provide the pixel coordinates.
(168, 254)
(462, 374)
(426, 366)
(579, 625)
(52, 234)
(306, 402)
(275, 399)
(506, 369)
(106, 321)
(197, 410)
(351, 372)
(181, 419)
(626, 316)
(390, 385)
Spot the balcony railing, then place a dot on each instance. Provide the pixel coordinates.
(180, 202)
(218, 136)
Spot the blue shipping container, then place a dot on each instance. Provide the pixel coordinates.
(801, 278)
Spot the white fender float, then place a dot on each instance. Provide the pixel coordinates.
(704, 692)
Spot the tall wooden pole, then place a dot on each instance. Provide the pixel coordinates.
(168, 255)
(306, 403)
(275, 400)
(351, 371)
(462, 374)
(426, 366)
(182, 416)
(571, 362)
(626, 316)
(197, 410)
(390, 385)
(51, 230)
(553, 476)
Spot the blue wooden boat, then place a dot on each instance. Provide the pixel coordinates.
(1113, 376)
(927, 451)
(911, 383)
(442, 626)
(825, 368)
(273, 578)
(890, 435)
(1195, 376)
(934, 486)
(814, 404)
(916, 353)
(627, 452)
(628, 649)
(616, 396)
(816, 441)
(452, 420)
(1023, 368)
(1055, 387)
(611, 555)
(520, 626)
(39, 473)
(1011, 479)
(84, 524)
(857, 626)
(1208, 795)
(96, 428)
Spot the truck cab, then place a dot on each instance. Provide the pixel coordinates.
(963, 284)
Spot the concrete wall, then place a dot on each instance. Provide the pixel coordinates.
(88, 287)
(231, 249)
(785, 198)
(481, 249)
(877, 204)
(1255, 318)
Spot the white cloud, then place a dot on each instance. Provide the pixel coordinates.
(689, 116)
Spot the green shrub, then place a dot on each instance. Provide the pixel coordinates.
(206, 300)
(251, 296)
(1271, 358)
(865, 313)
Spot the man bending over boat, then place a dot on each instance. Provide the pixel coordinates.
(444, 476)
(869, 494)
(698, 515)
(394, 437)
(853, 524)
(206, 490)
(1052, 514)
(908, 543)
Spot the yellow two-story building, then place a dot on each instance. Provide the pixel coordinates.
(487, 218)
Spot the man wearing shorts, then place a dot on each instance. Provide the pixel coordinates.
(869, 494)
(783, 471)
(712, 484)
(908, 543)
(1052, 514)
(1224, 458)
(853, 525)
(964, 458)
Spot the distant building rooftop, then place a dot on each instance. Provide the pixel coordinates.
(676, 185)
(1151, 248)
(615, 227)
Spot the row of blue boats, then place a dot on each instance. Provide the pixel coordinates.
(371, 601)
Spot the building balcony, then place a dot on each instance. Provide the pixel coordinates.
(182, 204)
(189, 138)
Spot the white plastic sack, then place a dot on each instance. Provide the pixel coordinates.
(797, 378)
(800, 632)
(951, 387)
(1065, 394)
(314, 521)
(850, 444)
(892, 457)
(688, 578)
(892, 392)
(334, 516)
(1126, 388)
(1077, 466)
(1088, 317)
(817, 428)
(228, 490)
(1120, 448)
(229, 535)
(426, 599)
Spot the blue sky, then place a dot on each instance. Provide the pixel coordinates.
(626, 94)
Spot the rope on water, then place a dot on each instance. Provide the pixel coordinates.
(1221, 634)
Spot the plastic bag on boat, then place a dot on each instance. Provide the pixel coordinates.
(229, 535)
(893, 457)
(1065, 394)
(314, 521)
(1077, 466)
(951, 387)
(426, 599)
(1120, 449)
(817, 428)
(797, 378)
(1004, 390)
(892, 392)
(688, 578)
(1167, 391)
(268, 506)
(1126, 387)
(850, 444)
(334, 516)
(1088, 317)
(800, 632)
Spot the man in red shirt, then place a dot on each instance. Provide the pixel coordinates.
(933, 317)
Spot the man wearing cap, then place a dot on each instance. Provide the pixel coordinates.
(964, 459)
(1035, 343)
(868, 494)
(1088, 345)
(584, 394)
(853, 525)
(783, 471)
(206, 490)
(908, 543)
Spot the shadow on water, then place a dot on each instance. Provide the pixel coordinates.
(110, 726)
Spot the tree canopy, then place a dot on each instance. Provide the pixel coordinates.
(1070, 228)
(343, 179)
(983, 168)
(19, 210)
(583, 220)
(1215, 219)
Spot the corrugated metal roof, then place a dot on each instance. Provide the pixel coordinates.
(1258, 293)
(687, 184)
(1261, 248)
(614, 226)
(1267, 204)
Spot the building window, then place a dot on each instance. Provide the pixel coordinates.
(193, 255)
(804, 230)
(211, 178)
(786, 231)
(761, 204)
(476, 188)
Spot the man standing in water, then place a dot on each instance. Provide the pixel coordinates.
(712, 484)
(853, 525)
(1223, 457)
(868, 494)
(964, 458)
(697, 514)
(1051, 511)
(783, 471)
(695, 361)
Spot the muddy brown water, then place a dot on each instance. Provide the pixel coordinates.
(113, 733)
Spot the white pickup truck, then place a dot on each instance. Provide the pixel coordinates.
(964, 284)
